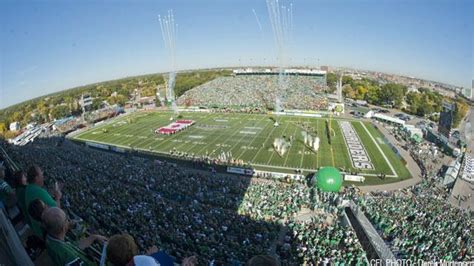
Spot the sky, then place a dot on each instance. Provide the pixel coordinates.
(48, 46)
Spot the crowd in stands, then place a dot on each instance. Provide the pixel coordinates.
(222, 219)
(318, 243)
(259, 91)
(198, 217)
(419, 224)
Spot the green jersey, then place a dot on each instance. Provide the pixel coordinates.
(33, 192)
(66, 254)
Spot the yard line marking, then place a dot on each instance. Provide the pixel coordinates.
(271, 156)
(288, 151)
(170, 138)
(266, 139)
(219, 136)
(254, 138)
(243, 136)
(332, 152)
(380, 150)
(191, 130)
(304, 149)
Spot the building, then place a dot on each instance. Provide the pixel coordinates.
(413, 133)
(86, 101)
(15, 126)
(388, 119)
(452, 173)
(325, 68)
(360, 111)
(446, 118)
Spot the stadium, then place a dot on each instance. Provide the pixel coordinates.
(247, 140)
(270, 165)
(192, 179)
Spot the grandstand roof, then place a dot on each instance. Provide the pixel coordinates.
(276, 71)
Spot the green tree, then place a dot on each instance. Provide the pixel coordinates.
(348, 91)
(461, 110)
(373, 94)
(331, 80)
(60, 111)
(96, 103)
(393, 94)
(3, 128)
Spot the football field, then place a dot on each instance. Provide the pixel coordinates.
(250, 137)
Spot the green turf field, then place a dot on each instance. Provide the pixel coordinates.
(250, 138)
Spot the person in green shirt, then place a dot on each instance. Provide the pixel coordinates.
(35, 190)
(62, 252)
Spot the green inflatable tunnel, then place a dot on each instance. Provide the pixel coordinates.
(328, 179)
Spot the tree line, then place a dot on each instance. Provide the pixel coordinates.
(66, 103)
(421, 102)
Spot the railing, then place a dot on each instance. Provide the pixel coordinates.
(373, 244)
(12, 252)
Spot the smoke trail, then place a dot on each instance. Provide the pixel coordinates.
(258, 21)
(169, 30)
(281, 20)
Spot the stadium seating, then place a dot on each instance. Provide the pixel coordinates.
(258, 91)
(229, 219)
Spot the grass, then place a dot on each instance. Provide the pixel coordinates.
(250, 138)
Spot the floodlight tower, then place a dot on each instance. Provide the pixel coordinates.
(85, 101)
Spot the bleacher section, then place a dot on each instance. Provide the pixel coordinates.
(259, 91)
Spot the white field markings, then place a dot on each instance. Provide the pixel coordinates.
(291, 146)
(219, 136)
(304, 145)
(317, 154)
(127, 129)
(95, 128)
(261, 165)
(283, 133)
(265, 141)
(102, 137)
(153, 140)
(394, 173)
(174, 136)
(170, 138)
(213, 136)
(254, 138)
(144, 127)
(244, 136)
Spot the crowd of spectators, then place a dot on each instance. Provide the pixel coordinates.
(222, 219)
(226, 219)
(418, 223)
(259, 91)
(315, 242)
